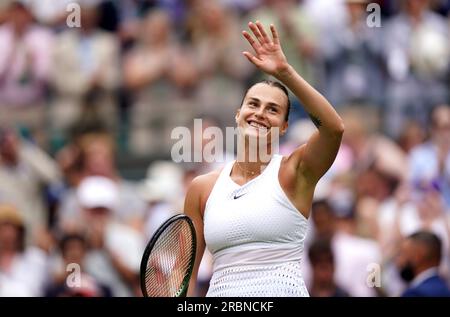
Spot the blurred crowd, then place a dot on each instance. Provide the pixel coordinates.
(86, 115)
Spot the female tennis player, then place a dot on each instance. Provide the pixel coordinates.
(252, 215)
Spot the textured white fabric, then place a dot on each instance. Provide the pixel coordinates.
(283, 280)
(255, 235)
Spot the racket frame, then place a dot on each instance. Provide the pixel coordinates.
(151, 244)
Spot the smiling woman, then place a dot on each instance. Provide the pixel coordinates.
(264, 101)
(252, 214)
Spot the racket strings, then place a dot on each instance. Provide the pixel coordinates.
(169, 261)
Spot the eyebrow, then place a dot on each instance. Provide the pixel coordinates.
(269, 103)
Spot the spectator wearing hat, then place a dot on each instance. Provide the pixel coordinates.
(96, 157)
(23, 268)
(163, 191)
(115, 249)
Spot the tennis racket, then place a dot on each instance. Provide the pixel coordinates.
(168, 259)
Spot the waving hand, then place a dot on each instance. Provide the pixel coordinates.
(268, 55)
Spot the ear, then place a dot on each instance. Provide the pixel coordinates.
(283, 128)
(238, 112)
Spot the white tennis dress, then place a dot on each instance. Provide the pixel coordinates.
(256, 237)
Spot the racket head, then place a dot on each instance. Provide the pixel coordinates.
(168, 259)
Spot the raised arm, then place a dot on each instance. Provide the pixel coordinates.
(316, 157)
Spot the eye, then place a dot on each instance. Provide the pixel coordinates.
(273, 110)
(252, 104)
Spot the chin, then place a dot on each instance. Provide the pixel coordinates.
(251, 133)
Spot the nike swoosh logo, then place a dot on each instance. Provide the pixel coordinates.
(236, 196)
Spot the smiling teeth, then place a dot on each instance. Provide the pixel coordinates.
(257, 125)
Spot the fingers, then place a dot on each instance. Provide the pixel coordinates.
(276, 39)
(263, 32)
(256, 32)
(252, 58)
(252, 42)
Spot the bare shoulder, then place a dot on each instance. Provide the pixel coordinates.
(200, 189)
(203, 182)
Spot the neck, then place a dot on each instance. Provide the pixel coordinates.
(415, 17)
(253, 158)
(422, 268)
(249, 170)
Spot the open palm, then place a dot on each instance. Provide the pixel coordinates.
(269, 56)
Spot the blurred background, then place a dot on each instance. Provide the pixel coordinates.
(86, 115)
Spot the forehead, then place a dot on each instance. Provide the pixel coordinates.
(266, 94)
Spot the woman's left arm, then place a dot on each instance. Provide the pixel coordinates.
(318, 154)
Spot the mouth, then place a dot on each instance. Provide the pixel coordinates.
(258, 125)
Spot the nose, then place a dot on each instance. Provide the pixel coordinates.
(259, 112)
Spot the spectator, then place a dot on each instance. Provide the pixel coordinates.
(416, 53)
(418, 263)
(412, 135)
(401, 215)
(115, 249)
(97, 153)
(216, 39)
(353, 59)
(23, 268)
(85, 75)
(25, 64)
(160, 75)
(73, 249)
(352, 253)
(322, 262)
(429, 163)
(370, 147)
(163, 192)
(25, 171)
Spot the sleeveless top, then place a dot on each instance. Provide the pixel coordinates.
(256, 237)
